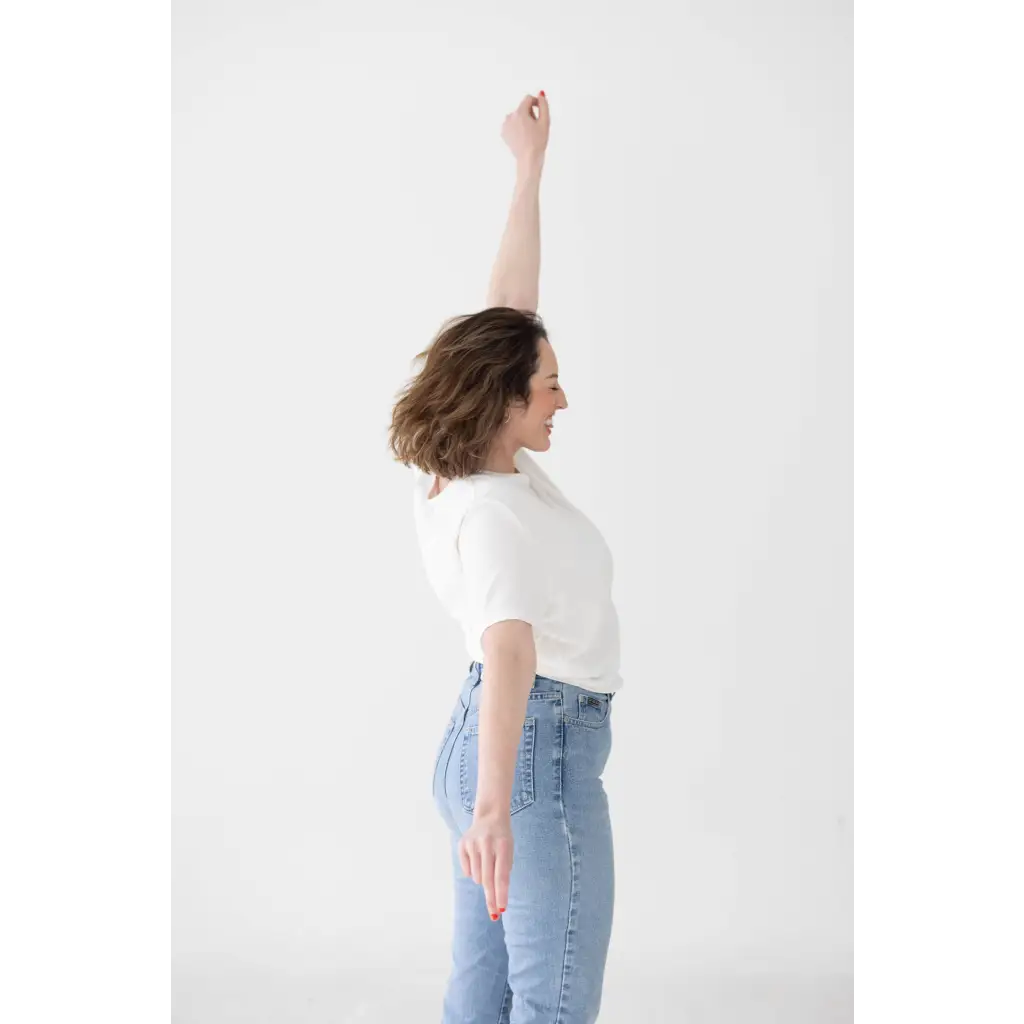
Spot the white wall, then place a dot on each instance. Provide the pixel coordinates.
(340, 187)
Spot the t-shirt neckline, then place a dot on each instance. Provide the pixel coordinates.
(517, 475)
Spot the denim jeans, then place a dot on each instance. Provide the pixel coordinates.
(543, 960)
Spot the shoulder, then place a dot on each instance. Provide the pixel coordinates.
(485, 509)
(487, 521)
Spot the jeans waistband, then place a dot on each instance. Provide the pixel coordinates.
(546, 682)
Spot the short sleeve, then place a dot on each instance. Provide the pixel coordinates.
(501, 568)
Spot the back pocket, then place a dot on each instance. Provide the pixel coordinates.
(522, 781)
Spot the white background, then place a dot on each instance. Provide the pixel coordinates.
(340, 187)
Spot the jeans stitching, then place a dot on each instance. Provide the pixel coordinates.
(449, 728)
(506, 1004)
(526, 784)
(573, 895)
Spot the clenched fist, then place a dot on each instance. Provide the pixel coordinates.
(526, 133)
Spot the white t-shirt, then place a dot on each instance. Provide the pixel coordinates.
(502, 546)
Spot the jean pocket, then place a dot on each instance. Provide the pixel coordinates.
(589, 709)
(522, 782)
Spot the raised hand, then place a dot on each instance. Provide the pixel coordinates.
(526, 133)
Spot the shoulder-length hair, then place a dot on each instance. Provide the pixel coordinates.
(475, 368)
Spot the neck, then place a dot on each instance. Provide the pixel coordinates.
(501, 461)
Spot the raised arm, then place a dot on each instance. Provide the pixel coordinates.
(515, 279)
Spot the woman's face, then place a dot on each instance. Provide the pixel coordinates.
(529, 426)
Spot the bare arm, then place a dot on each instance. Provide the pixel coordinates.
(486, 847)
(515, 279)
(510, 657)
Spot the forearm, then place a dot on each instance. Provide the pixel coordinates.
(515, 278)
(509, 673)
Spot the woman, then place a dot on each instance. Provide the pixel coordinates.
(529, 578)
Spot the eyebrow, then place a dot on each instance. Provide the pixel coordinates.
(550, 375)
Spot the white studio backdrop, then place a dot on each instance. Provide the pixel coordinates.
(340, 188)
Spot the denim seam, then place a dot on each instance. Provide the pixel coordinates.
(506, 1004)
(583, 722)
(573, 894)
(454, 743)
(449, 728)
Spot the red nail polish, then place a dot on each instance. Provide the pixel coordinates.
(501, 910)
(542, 92)
(494, 917)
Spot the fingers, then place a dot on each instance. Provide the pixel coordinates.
(487, 867)
(525, 110)
(489, 864)
(487, 861)
(525, 107)
(502, 871)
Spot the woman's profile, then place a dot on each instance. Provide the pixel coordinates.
(517, 776)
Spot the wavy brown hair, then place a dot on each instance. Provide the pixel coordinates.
(475, 368)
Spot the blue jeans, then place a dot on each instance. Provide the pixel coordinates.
(543, 960)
